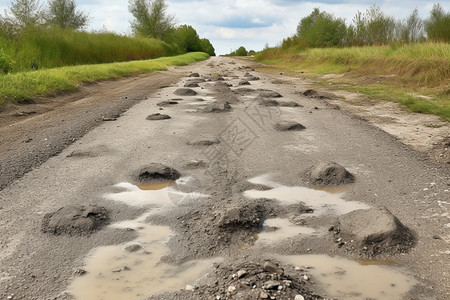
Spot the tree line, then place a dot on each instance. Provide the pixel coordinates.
(372, 27)
(150, 20)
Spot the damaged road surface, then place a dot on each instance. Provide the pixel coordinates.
(221, 183)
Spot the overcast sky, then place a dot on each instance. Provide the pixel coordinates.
(229, 24)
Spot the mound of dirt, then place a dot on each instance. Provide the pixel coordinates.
(244, 91)
(157, 117)
(204, 142)
(155, 172)
(244, 82)
(290, 104)
(191, 85)
(329, 173)
(319, 95)
(248, 280)
(75, 220)
(289, 126)
(253, 78)
(269, 94)
(194, 75)
(167, 103)
(373, 231)
(196, 164)
(185, 92)
(269, 102)
(218, 107)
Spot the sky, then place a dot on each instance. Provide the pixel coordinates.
(229, 24)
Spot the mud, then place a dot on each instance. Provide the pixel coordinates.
(373, 232)
(155, 172)
(289, 126)
(75, 220)
(158, 117)
(329, 173)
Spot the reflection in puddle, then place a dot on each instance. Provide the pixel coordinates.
(278, 229)
(346, 279)
(156, 186)
(134, 270)
(160, 194)
(322, 202)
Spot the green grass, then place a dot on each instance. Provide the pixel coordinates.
(39, 48)
(383, 72)
(26, 85)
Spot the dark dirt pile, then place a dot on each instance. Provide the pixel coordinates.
(373, 232)
(185, 92)
(248, 280)
(289, 126)
(155, 172)
(218, 107)
(158, 117)
(75, 220)
(329, 173)
(167, 103)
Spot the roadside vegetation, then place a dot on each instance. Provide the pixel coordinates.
(22, 87)
(36, 39)
(406, 61)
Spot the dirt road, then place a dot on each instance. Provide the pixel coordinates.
(245, 205)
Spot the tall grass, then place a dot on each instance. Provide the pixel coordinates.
(385, 72)
(39, 48)
(26, 85)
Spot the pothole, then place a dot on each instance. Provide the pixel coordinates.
(277, 229)
(346, 279)
(115, 272)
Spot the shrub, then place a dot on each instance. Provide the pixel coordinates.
(6, 63)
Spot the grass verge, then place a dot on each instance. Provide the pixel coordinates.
(23, 86)
(391, 73)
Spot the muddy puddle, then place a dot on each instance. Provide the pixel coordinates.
(277, 229)
(135, 270)
(160, 194)
(323, 201)
(346, 279)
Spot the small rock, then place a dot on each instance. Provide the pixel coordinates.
(157, 117)
(273, 268)
(155, 172)
(305, 277)
(329, 173)
(299, 297)
(231, 288)
(189, 288)
(241, 273)
(263, 295)
(271, 285)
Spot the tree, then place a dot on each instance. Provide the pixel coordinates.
(187, 38)
(63, 13)
(438, 25)
(412, 29)
(26, 13)
(321, 29)
(207, 47)
(151, 19)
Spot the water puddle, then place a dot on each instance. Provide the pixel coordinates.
(134, 270)
(160, 194)
(345, 279)
(279, 229)
(322, 201)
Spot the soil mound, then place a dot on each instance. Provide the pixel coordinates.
(374, 231)
(289, 126)
(185, 92)
(290, 104)
(75, 220)
(329, 174)
(269, 102)
(244, 90)
(249, 280)
(218, 107)
(253, 78)
(155, 172)
(167, 103)
(191, 85)
(194, 75)
(244, 82)
(269, 94)
(319, 95)
(157, 117)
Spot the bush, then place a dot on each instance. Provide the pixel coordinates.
(6, 63)
(438, 25)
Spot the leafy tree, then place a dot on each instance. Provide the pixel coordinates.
(412, 29)
(241, 51)
(438, 25)
(26, 13)
(151, 19)
(187, 38)
(321, 29)
(63, 13)
(207, 47)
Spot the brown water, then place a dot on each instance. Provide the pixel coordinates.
(156, 186)
(346, 279)
(115, 273)
(328, 201)
(277, 229)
